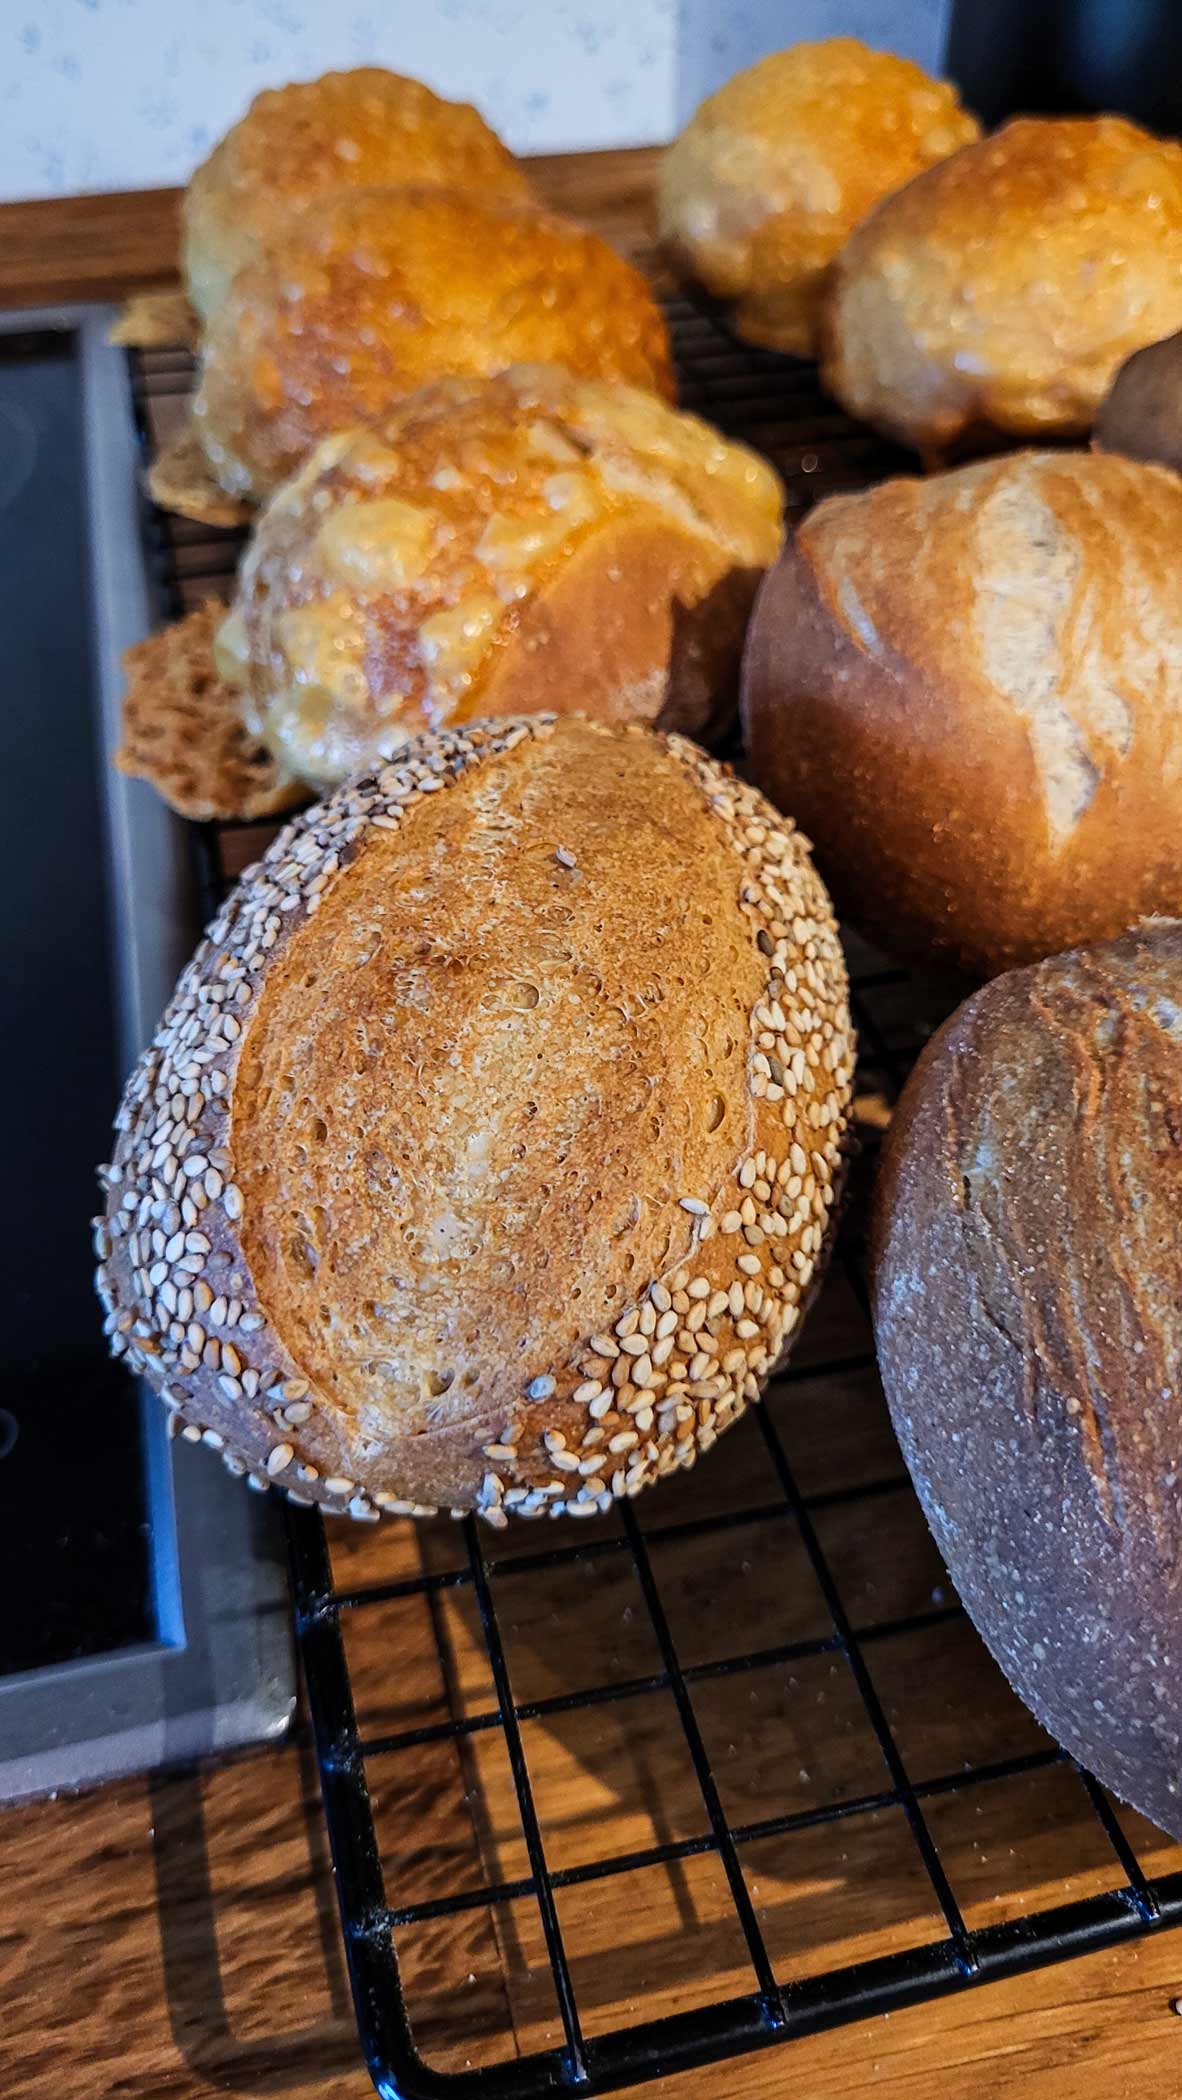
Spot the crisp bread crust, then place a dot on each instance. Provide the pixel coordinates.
(1027, 1290)
(773, 172)
(1001, 288)
(943, 682)
(582, 1417)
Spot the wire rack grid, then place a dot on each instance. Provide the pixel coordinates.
(1104, 1890)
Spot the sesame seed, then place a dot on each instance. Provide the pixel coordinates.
(337, 1484)
(749, 1264)
(232, 1200)
(298, 1411)
(565, 857)
(590, 1389)
(540, 1388)
(624, 1440)
(635, 1345)
(731, 1221)
(695, 1206)
(600, 1406)
(603, 1345)
(278, 1458)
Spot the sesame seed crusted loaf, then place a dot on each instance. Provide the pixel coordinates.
(490, 1145)
(1027, 1287)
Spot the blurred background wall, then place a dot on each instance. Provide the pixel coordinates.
(127, 94)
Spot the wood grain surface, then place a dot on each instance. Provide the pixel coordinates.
(178, 1935)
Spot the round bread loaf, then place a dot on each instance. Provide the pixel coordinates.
(968, 691)
(370, 294)
(1027, 1290)
(493, 547)
(489, 1148)
(343, 131)
(1141, 414)
(776, 169)
(1001, 289)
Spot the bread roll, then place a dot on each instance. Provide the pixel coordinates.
(1028, 1313)
(488, 1150)
(369, 294)
(968, 691)
(776, 168)
(500, 546)
(1002, 288)
(1141, 414)
(343, 131)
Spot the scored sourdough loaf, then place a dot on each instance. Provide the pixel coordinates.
(490, 1146)
(1027, 1290)
(967, 690)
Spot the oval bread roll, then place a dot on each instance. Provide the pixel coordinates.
(1002, 288)
(496, 547)
(968, 691)
(370, 294)
(1027, 1294)
(774, 170)
(342, 131)
(489, 1148)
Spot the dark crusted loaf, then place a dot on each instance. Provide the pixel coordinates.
(1028, 1312)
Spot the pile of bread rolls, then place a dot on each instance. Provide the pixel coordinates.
(445, 409)
(491, 1147)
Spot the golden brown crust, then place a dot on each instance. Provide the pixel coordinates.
(775, 170)
(1005, 285)
(179, 479)
(373, 293)
(1027, 1289)
(155, 321)
(966, 691)
(349, 130)
(183, 728)
(490, 1146)
(502, 546)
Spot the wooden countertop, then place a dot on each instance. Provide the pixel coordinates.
(177, 1936)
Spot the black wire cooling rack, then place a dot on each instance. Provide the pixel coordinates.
(929, 1793)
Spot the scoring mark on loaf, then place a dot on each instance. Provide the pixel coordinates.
(682, 1361)
(1043, 639)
